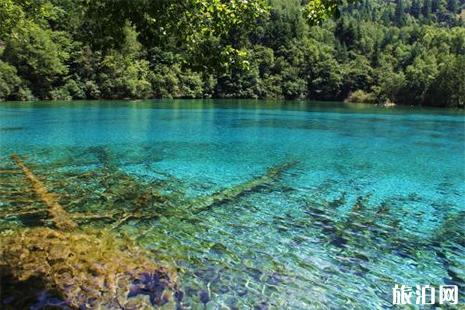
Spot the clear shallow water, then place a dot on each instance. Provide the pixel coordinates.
(376, 197)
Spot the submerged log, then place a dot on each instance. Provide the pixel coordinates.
(10, 172)
(76, 268)
(57, 213)
(26, 212)
(270, 176)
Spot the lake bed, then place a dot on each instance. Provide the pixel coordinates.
(370, 197)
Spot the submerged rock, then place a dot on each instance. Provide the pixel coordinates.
(204, 296)
(81, 269)
(152, 284)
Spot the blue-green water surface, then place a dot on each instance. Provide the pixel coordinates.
(376, 197)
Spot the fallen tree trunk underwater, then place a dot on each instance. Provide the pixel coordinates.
(78, 268)
(142, 206)
(56, 212)
(83, 267)
(271, 175)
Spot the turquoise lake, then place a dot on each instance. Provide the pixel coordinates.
(374, 197)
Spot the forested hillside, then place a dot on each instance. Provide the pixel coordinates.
(403, 51)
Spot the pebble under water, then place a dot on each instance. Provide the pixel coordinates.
(367, 197)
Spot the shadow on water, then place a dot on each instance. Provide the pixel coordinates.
(32, 293)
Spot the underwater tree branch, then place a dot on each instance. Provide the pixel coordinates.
(58, 214)
(273, 173)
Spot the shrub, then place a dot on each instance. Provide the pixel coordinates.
(165, 81)
(360, 96)
(39, 56)
(191, 85)
(10, 82)
(125, 77)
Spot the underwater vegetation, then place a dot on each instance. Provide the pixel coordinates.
(81, 232)
(83, 268)
(56, 260)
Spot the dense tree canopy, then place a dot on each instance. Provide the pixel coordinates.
(403, 51)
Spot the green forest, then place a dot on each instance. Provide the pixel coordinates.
(409, 52)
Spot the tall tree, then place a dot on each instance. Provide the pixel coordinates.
(452, 6)
(435, 5)
(426, 9)
(415, 9)
(399, 14)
